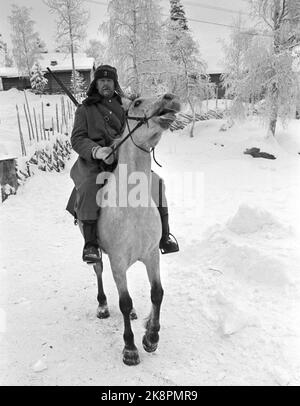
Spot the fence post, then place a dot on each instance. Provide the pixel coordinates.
(21, 134)
(27, 121)
(29, 114)
(36, 127)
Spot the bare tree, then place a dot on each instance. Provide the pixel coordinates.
(72, 21)
(24, 39)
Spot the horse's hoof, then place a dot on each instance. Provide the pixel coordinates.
(133, 315)
(148, 346)
(131, 357)
(103, 312)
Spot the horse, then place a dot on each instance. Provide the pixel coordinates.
(130, 233)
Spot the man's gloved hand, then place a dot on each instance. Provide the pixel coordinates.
(102, 153)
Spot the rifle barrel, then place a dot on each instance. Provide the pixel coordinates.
(67, 91)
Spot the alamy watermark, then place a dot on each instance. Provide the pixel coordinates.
(135, 189)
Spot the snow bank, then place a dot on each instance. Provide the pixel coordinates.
(253, 219)
(236, 251)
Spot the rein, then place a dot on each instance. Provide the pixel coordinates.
(141, 121)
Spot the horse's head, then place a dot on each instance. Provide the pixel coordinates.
(159, 113)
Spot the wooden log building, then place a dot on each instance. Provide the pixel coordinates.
(59, 63)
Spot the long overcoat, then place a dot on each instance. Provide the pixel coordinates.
(96, 124)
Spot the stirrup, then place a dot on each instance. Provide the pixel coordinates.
(93, 260)
(175, 247)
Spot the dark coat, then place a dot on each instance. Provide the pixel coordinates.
(96, 124)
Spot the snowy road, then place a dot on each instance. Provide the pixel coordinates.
(230, 314)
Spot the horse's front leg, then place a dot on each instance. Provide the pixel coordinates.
(151, 337)
(130, 352)
(102, 310)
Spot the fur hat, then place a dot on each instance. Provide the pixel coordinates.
(105, 72)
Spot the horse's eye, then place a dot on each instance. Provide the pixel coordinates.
(137, 103)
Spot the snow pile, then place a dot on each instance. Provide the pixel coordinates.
(244, 257)
(251, 220)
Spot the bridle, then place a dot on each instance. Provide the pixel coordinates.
(141, 121)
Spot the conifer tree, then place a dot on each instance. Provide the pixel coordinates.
(37, 79)
(187, 76)
(178, 14)
(78, 85)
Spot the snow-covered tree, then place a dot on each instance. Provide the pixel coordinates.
(279, 82)
(24, 39)
(3, 48)
(178, 14)
(96, 50)
(37, 79)
(78, 85)
(235, 67)
(5, 57)
(187, 77)
(134, 37)
(72, 20)
(267, 61)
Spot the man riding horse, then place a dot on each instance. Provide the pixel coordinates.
(99, 121)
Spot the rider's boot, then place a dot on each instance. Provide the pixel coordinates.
(167, 244)
(91, 249)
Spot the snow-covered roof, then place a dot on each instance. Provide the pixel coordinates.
(57, 61)
(6, 72)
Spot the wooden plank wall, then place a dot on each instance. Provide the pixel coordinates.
(65, 77)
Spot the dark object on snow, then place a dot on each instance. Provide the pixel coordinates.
(8, 177)
(255, 153)
(48, 104)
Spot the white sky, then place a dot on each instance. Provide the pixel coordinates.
(207, 35)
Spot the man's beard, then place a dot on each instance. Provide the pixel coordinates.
(107, 92)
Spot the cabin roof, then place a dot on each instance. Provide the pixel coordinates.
(57, 61)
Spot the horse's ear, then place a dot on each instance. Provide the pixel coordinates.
(126, 103)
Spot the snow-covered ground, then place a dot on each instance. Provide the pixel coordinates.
(9, 133)
(231, 310)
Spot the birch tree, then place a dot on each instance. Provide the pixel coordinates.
(268, 61)
(72, 19)
(25, 40)
(235, 67)
(135, 43)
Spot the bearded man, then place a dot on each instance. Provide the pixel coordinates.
(99, 120)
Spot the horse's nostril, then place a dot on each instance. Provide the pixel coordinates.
(168, 96)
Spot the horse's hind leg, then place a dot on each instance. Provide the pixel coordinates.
(102, 310)
(130, 352)
(151, 337)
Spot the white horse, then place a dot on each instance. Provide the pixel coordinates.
(129, 234)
